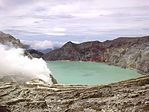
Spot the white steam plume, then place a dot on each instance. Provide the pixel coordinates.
(13, 62)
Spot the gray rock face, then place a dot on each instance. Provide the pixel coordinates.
(7, 39)
(126, 96)
(54, 81)
(135, 56)
(35, 53)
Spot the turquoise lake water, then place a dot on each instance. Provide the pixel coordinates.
(89, 73)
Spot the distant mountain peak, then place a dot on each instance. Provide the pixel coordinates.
(69, 44)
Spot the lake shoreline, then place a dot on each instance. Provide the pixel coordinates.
(97, 62)
(90, 71)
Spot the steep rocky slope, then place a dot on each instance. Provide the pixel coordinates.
(128, 52)
(126, 96)
(10, 40)
(124, 52)
(35, 53)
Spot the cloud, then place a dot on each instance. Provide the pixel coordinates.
(46, 44)
(70, 17)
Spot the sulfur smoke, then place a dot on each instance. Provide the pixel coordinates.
(13, 62)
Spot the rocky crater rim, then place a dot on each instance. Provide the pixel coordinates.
(125, 52)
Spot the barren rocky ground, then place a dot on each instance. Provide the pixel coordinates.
(36, 96)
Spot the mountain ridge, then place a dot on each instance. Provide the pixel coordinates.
(8, 39)
(127, 52)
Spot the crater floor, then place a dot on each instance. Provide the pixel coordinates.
(126, 96)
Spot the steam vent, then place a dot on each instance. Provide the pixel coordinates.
(22, 66)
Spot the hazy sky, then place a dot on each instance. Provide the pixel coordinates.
(46, 23)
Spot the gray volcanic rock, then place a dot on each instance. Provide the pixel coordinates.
(126, 96)
(7, 39)
(20, 79)
(129, 53)
(23, 79)
(53, 79)
(124, 51)
(35, 53)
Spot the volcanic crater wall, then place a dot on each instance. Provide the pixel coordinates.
(126, 52)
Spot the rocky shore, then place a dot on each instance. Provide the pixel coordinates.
(36, 96)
